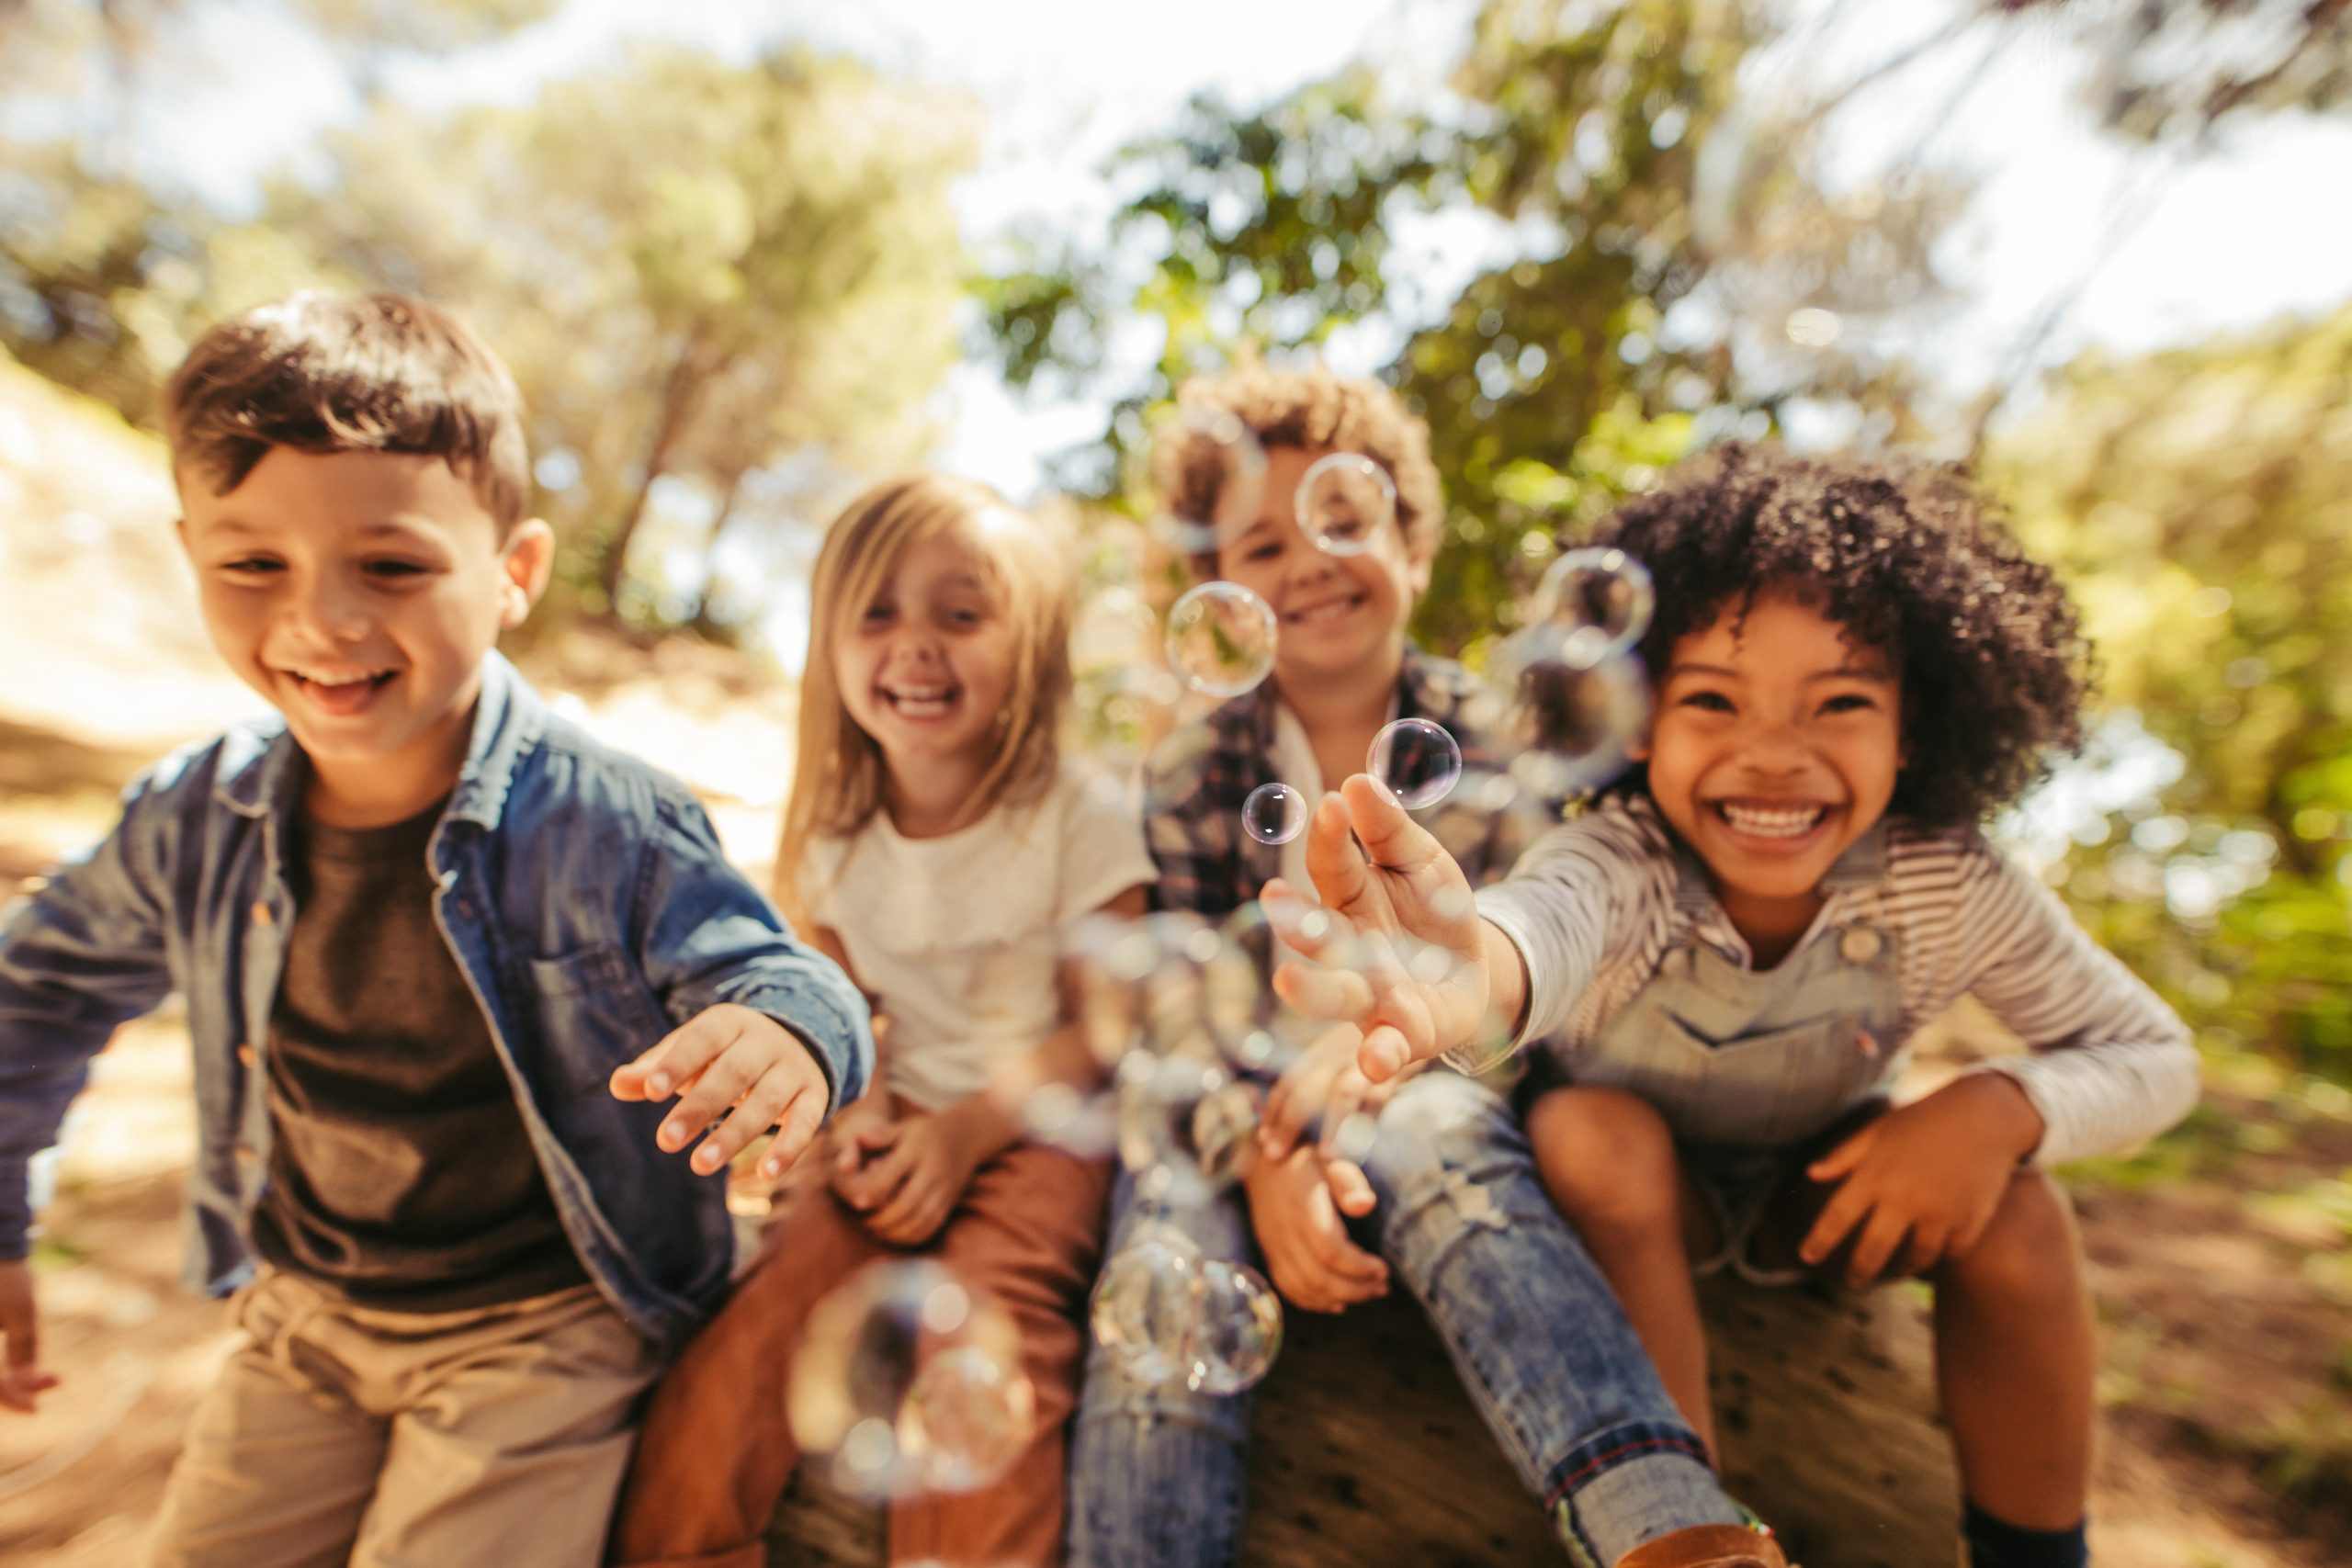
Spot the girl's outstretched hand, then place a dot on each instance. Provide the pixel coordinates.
(1400, 951)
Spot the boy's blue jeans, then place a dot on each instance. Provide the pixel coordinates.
(1157, 1474)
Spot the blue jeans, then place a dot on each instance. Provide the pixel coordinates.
(1157, 1474)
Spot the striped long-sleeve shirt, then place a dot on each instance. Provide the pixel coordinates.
(1592, 907)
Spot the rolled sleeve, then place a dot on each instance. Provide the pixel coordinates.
(711, 937)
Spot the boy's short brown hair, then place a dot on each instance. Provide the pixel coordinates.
(322, 372)
(1308, 409)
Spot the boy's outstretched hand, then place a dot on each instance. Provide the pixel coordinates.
(22, 1382)
(1402, 953)
(734, 1062)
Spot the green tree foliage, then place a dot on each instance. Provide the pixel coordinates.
(696, 268)
(1554, 381)
(2200, 500)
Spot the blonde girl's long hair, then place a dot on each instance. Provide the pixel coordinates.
(838, 772)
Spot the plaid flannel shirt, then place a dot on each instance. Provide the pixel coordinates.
(1197, 779)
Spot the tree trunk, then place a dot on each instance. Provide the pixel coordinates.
(729, 495)
(1365, 1450)
(680, 387)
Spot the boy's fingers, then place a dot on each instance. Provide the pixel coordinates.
(722, 1084)
(684, 1052)
(1351, 1272)
(759, 1109)
(1393, 841)
(1350, 1189)
(799, 1123)
(1333, 862)
(1334, 996)
(1384, 1054)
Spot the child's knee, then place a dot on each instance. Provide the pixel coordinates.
(1604, 1155)
(2029, 1252)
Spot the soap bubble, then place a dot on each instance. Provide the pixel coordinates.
(1600, 600)
(1343, 500)
(1208, 469)
(1274, 813)
(1416, 759)
(1144, 1302)
(1239, 1330)
(1168, 1315)
(1221, 638)
(1569, 725)
(1187, 1127)
(910, 1383)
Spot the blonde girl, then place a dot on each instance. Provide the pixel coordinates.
(935, 842)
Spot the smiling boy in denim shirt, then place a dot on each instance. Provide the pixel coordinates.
(442, 955)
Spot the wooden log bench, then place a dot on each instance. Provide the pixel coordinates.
(1366, 1450)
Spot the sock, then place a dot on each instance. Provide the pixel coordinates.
(1996, 1543)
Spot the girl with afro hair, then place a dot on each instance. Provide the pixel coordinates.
(1852, 665)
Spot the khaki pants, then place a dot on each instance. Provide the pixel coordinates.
(336, 1434)
(719, 1449)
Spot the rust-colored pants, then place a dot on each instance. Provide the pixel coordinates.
(716, 1450)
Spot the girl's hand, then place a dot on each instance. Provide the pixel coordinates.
(1309, 1255)
(1402, 952)
(909, 1188)
(734, 1062)
(859, 1135)
(1934, 1169)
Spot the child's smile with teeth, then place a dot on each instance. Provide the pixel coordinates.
(921, 702)
(1765, 821)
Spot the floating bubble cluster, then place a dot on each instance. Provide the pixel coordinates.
(1221, 638)
(1343, 500)
(1169, 1314)
(909, 1382)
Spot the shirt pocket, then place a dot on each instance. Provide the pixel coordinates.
(596, 1012)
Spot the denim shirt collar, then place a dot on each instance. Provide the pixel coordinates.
(508, 718)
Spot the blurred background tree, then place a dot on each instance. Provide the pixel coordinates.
(698, 271)
(2200, 502)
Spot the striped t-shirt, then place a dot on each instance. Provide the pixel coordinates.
(1593, 905)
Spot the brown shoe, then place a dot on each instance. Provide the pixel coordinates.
(1707, 1546)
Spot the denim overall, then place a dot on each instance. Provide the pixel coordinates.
(1750, 1066)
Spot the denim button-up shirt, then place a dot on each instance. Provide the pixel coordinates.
(585, 900)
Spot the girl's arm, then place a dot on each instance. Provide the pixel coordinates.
(2111, 1064)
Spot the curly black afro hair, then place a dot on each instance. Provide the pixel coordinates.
(1910, 560)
